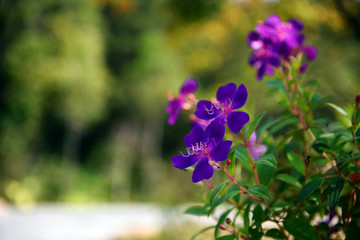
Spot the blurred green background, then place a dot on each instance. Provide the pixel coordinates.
(83, 87)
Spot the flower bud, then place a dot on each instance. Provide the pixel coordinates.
(227, 220)
(227, 162)
(307, 161)
(222, 227)
(357, 101)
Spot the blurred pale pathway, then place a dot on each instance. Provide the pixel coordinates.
(90, 222)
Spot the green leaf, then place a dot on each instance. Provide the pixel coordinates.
(308, 189)
(216, 192)
(296, 162)
(357, 136)
(300, 229)
(196, 210)
(265, 173)
(259, 191)
(221, 220)
(288, 179)
(222, 199)
(258, 215)
(268, 159)
(339, 110)
(247, 219)
(266, 167)
(227, 237)
(276, 83)
(254, 124)
(231, 167)
(334, 191)
(201, 231)
(243, 157)
(275, 233)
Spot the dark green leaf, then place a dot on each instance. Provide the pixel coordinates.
(215, 192)
(288, 179)
(300, 229)
(254, 124)
(275, 233)
(296, 162)
(334, 191)
(265, 173)
(227, 237)
(197, 210)
(259, 191)
(268, 159)
(258, 215)
(308, 189)
(357, 136)
(247, 219)
(221, 220)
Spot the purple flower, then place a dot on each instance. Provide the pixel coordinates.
(182, 102)
(203, 148)
(274, 41)
(264, 55)
(229, 99)
(256, 148)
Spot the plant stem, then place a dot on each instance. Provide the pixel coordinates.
(235, 182)
(250, 156)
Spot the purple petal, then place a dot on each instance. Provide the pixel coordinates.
(275, 60)
(253, 138)
(203, 170)
(173, 109)
(298, 25)
(257, 150)
(273, 20)
(206, 110)
(252, 36)
(240, 97)
(184, 161)
(269, 70)
(220, 151)
(226, 93)
(195, 136)
(303, 67)
(310, 52)
(236, 120)
(189, 86)
(216, 131)
(261, 71)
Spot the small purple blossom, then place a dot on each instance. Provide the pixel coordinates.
(229, 99)
(203, 148)
(256, 148)
(183, 101)
(274, 41)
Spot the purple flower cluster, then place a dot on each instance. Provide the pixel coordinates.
(206, 147)
(274, 41)
(176, 104)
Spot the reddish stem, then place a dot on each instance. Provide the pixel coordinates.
(250, 156)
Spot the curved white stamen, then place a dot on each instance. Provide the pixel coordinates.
(210, 111)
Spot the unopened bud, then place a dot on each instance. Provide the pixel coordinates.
(222, 227)
(307, 161)
(227, 220)
(357, 101)
(227, 162)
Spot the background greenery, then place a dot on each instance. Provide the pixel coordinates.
(83, 87)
